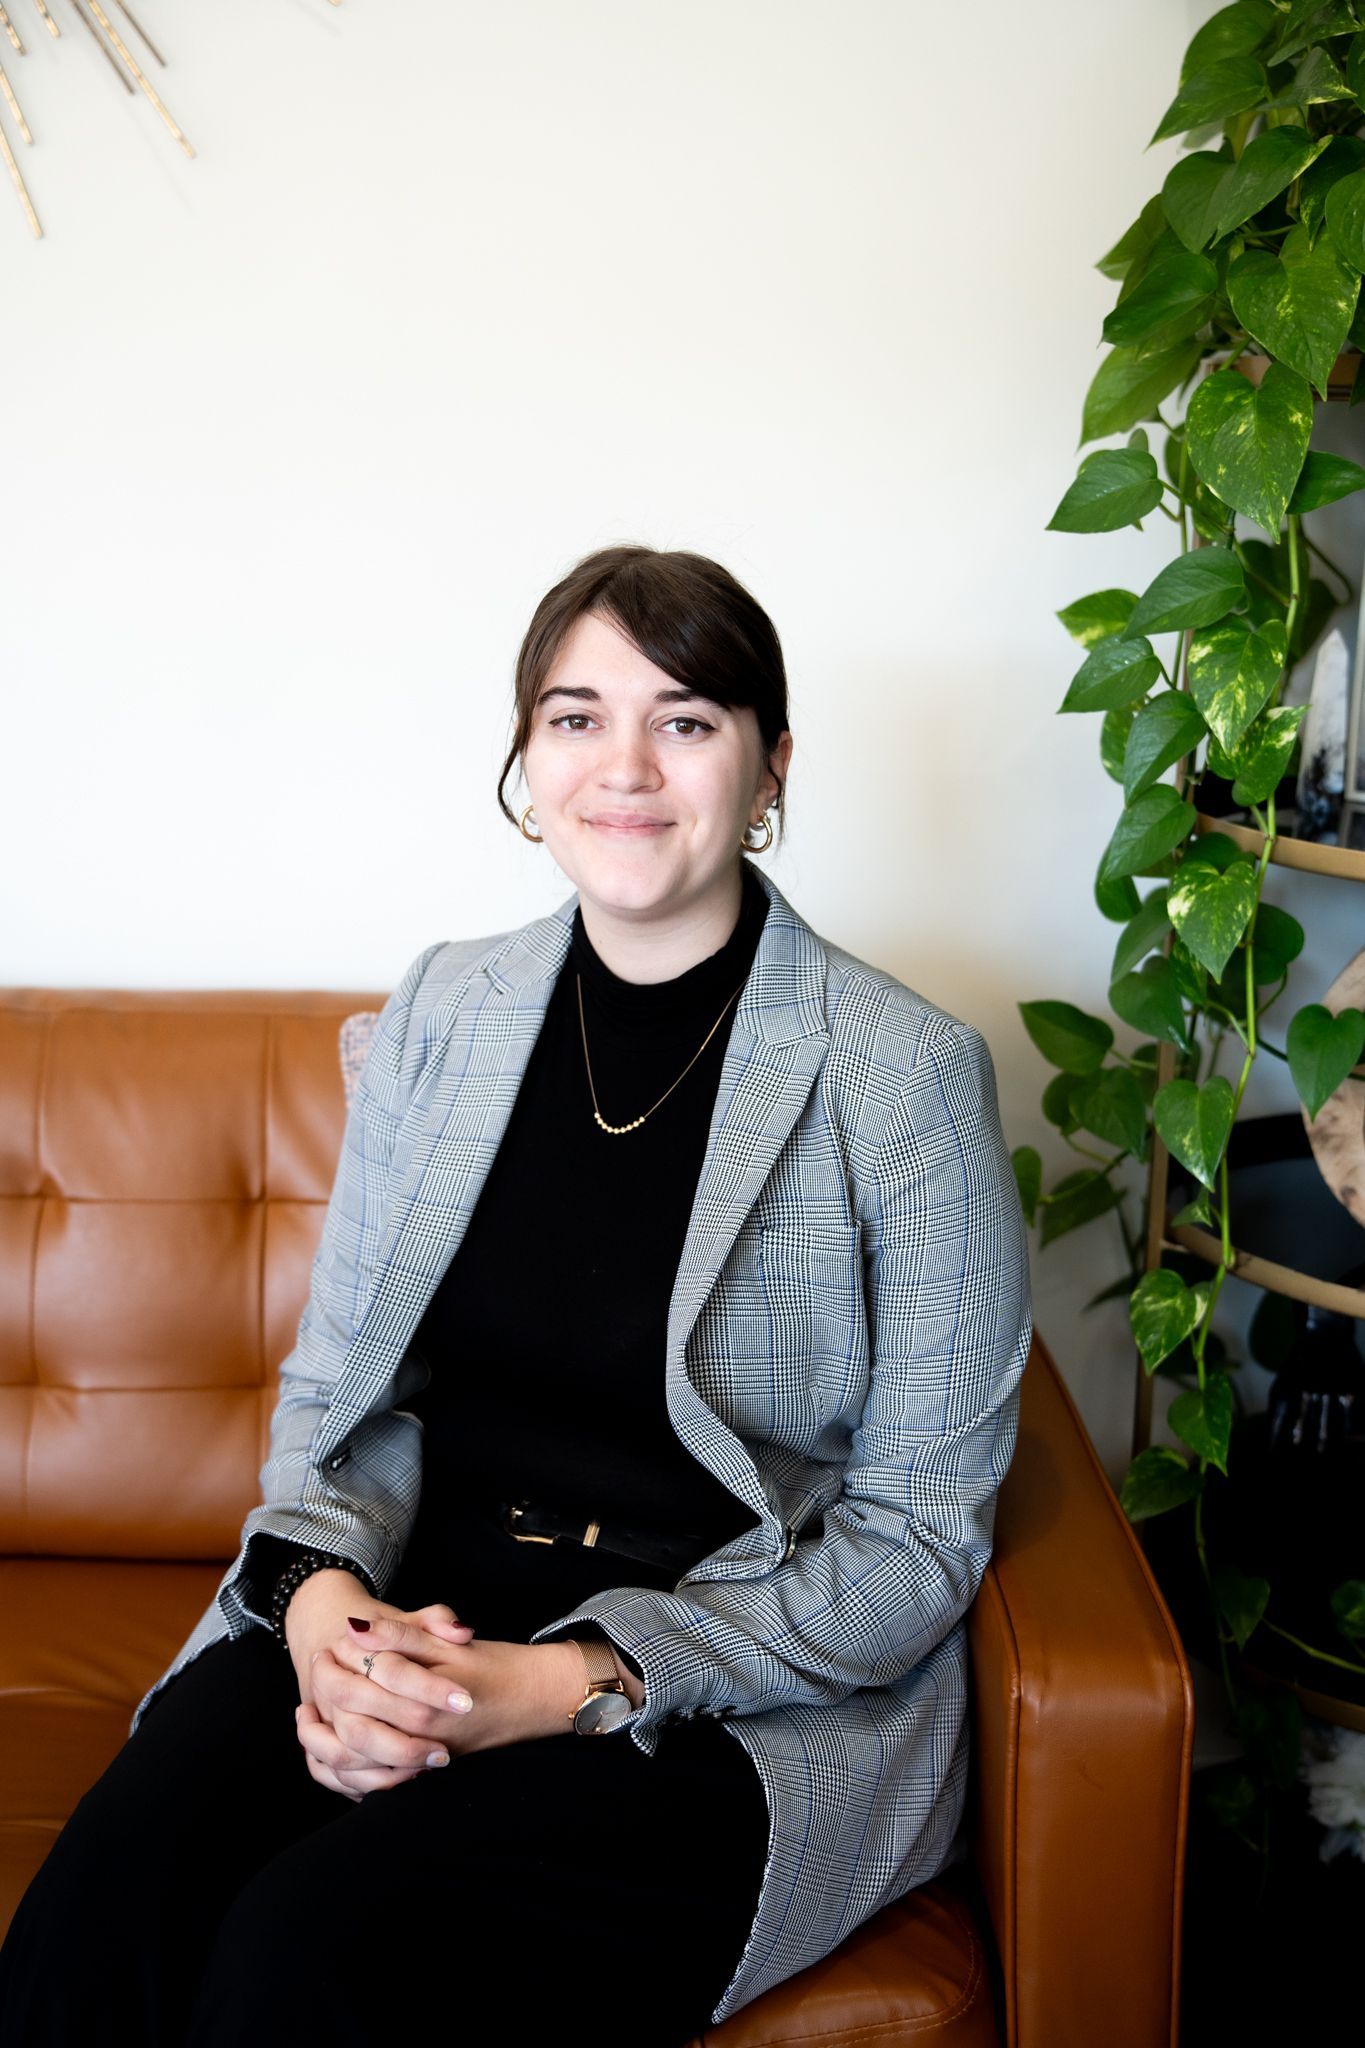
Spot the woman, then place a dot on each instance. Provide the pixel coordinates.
(666, 1329)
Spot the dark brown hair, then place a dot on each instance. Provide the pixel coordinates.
(685, 614)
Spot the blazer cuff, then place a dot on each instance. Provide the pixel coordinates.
(650, 1630)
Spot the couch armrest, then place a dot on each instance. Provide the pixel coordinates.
(1083, 1725)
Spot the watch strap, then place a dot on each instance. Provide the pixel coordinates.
(599, 1670)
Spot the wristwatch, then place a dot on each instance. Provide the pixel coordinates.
(605, 1703)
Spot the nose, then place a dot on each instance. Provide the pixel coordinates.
(629, 761)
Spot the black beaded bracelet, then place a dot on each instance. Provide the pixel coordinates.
(303, 1567)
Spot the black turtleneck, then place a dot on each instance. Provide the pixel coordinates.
(546, 1334)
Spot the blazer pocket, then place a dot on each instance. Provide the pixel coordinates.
(812, 1285)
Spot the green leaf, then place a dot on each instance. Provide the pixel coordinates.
(1067, 1037)
(1247, 441)
(1163, 1312)
(1115, 898)
(1266, 167)
(1176, 296)
(1215, 850)
(1191, 977)
(1232, 671)
(1298, 304)
(1344, 155)
(1197, 1211)
(1259, 759)
(1136, 243)
(1114, 730)
(1202, 1418)
(1348, 1607)
(1146, 929)
(1077, 1200)
(1345, 218)
(1148, 827)
(1322, 1050)
(1192, 195)
(1028, 1176)
(1164, 731)
(1316, 83)
(1354, 66)
(1117, 671)
(1129, 386)
(1110, 1105)
(1149, 1000)
(1227, 87)
(1193, 1123)
(1277, 939)
(1158, 1479)
(1057, 1103)
(1095, 617)
(1113, 488)
(1322, 481)
(1231, 32)
(1241, 1601)
(1193, 590)
(1211, 911)
(1302, 22)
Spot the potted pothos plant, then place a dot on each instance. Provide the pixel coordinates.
(1239, 290)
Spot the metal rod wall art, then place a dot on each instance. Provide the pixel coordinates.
(93, 16)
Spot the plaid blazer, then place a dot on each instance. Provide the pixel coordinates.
(846, 1335)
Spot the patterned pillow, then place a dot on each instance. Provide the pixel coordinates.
(356, 1032)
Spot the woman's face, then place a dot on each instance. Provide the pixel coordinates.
(641, 787)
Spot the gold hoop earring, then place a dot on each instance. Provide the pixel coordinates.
(766, 822)
(536, 838)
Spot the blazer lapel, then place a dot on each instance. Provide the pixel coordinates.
(777, 1045)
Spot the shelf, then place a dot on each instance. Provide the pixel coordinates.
(1311, 856)
(1261, 1272)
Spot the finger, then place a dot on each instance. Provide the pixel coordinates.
(393, 1632)
(441, 1621)
(428, 1692)
(376, 1741)
(342, 1781)
(352, 1768)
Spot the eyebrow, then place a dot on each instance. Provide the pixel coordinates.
(681, 695)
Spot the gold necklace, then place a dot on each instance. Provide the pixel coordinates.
(619, 1130)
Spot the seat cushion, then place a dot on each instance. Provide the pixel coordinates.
(915, 1972)
(82, 1640)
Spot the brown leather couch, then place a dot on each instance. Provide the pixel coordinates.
(165, 1160)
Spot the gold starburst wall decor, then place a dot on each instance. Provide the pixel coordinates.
(108, 38)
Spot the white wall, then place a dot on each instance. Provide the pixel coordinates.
(295, 435)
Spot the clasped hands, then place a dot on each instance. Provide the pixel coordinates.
(432, 1691)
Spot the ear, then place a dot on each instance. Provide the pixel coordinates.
(776, 763)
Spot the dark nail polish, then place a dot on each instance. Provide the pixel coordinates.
(357, 1623)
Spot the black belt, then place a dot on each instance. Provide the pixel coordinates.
(530, 1522)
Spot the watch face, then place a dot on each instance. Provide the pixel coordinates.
(600, 1714)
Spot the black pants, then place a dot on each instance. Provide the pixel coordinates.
(206, 1890)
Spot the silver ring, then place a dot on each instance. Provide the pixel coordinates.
(365, 1664)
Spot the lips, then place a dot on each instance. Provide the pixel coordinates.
(627, 821)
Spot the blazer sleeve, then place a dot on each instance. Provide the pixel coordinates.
(295, 1505)
(902, 1550)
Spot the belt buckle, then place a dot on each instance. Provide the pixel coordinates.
(512, 1515)
(514, 1512)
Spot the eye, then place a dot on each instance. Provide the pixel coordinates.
(566, 717)
(683, 718)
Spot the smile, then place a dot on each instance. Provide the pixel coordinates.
(629, 827)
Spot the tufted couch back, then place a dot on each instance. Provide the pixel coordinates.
(165, 1165)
